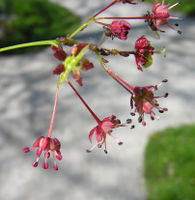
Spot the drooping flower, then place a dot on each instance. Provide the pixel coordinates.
(120, 29)
(160, 16)
(74, 63)
(143, 54)
(144, 101)
(46, 145)
(103, 129)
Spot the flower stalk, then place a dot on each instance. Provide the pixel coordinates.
(53, 114)
(85, 104)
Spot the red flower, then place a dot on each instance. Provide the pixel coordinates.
(102, 129)
(143, 54)
(145, 101)
(161, 16)
(120, 29)
(46, 145)
(82, 64)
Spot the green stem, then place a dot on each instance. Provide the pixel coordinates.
(81, 27)
(30, 44)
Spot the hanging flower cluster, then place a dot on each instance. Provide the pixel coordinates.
(143, 100)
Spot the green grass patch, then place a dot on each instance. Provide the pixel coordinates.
(170, 164)
(187, 6)
(33, 20)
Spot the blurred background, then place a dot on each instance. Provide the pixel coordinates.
(148, 165)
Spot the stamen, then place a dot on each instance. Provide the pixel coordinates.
(99, 145)
(45, 165)
(55, 167)
(35, 164)
(26, 149)
(140, 119)
(129, 121)
(59, 156)
(166, 95)
(132, 127)
(38, 152)
(178, 3)
(105, 151)
(93, 147)
(179, 32)
(118, 121)
(132, 114)
(164, 80)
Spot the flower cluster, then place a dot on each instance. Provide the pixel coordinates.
(143, 100)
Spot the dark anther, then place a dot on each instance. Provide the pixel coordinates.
(88, 151)
(166, 95)
(139, 119)
(156, 87)
(132, 114)
(120, 143)
(105, 151)
(118, 121)
(152, 117)
(99, 145)
(132, 127)
(128, 121)
(165, 80)
(176, 24)
(179, 32)
(161, 111)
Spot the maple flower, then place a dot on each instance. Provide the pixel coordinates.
(120, 29)
(46, 145)
(103, 128)
(143, 54)
(74, 63)
(160, 16)
(145, 101)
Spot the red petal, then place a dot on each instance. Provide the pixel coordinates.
(77, 77)
(59, 53)
(91, 134)
(59, 69)
(141, 43)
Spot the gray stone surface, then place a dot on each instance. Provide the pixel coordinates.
(27, 91)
